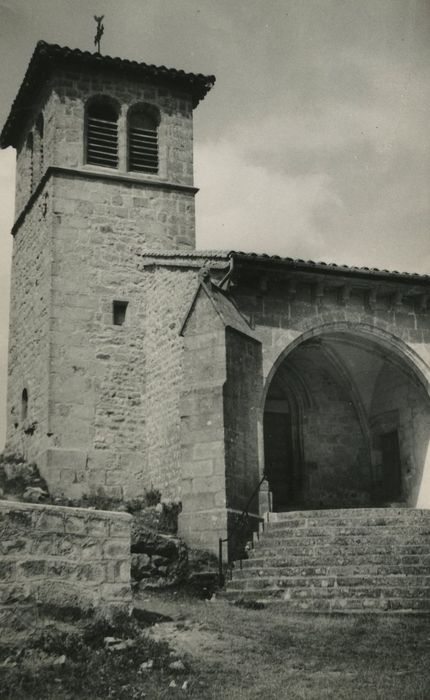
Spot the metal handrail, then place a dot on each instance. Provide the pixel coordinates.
(241, 522)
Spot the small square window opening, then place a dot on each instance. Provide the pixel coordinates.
(119, 312)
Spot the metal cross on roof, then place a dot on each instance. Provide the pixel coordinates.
(100, 31)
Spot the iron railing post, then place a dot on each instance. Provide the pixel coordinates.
(220, 566)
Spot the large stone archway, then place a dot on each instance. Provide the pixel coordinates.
(346, 422)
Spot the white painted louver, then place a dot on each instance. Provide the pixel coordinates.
(102, 142)
(143, 146)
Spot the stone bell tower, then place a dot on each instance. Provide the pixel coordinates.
(104, 173)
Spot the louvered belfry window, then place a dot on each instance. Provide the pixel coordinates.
(143, 142)
(102, 134)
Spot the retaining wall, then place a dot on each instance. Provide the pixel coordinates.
(59, 556)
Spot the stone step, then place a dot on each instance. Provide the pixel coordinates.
(333, 582)
(335, 551)
(376, 522)
(348, 560)
(346, 514)
(346, 570)
(339, 592)
(334, 531)
(345, 540)
(343, 603)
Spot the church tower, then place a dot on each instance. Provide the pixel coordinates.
(104, 173)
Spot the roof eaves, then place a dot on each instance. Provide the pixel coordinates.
(46, 56)
(295, 264)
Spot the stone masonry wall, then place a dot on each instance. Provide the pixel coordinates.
(168, 293)
(399, 404)
(395, 316)
(242, 390)
(203, 470)
(71, 90)
(31, 163)
(62, 105)
(58, 556)
(30, 310)
(336, 457)
(288, 308)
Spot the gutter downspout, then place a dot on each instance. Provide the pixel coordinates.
(226, 279)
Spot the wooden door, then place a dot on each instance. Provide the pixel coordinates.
(278, 457)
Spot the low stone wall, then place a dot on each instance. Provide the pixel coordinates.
(59, 556)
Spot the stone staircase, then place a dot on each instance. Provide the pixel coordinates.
(355, 560)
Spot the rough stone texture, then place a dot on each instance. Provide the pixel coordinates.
(401, 404)
(59, 556)
(29, 340)
(354, 561)
(103, 405)
(62, 104)
(203, 486)
(333, 467)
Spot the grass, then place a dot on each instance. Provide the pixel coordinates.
(229, 653)
(269, 653)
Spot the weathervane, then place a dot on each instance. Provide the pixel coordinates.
(100, 31)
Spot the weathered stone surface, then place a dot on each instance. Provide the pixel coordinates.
(315, 561)
(59, 556)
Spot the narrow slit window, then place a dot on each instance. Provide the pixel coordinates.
(119, 312)
(24, 405)
(102, 134)
(143, 142)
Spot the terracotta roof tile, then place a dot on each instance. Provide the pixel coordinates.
(311, 265)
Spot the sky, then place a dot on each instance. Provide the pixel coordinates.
(314, 142)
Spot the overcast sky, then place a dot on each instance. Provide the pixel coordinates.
(314, 142)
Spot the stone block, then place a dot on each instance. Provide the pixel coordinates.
(75, 524)
(120, 526)
(49, 520)
(208, 449)
(118, 571)
(116, 548)
(14, 546)
(96, 526)
(15, 594)
(43, 544)
(31, 569)
(115, 592)
(197, 468)
(197, 501)
(7, 570)
(210, 484)
(57, 459)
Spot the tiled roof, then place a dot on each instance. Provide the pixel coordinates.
(331, 268)
(175, 253)
(46, 56)
(292, 263)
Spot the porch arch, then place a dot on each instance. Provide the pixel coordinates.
(370, 418)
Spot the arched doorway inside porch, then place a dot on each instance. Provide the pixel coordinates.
(346, 424)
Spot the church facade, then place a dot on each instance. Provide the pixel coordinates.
(138, 362)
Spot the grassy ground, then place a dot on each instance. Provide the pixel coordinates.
(227, 653)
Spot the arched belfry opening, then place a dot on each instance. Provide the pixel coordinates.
(346, 424)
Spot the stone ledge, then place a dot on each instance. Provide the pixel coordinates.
(66, 510)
